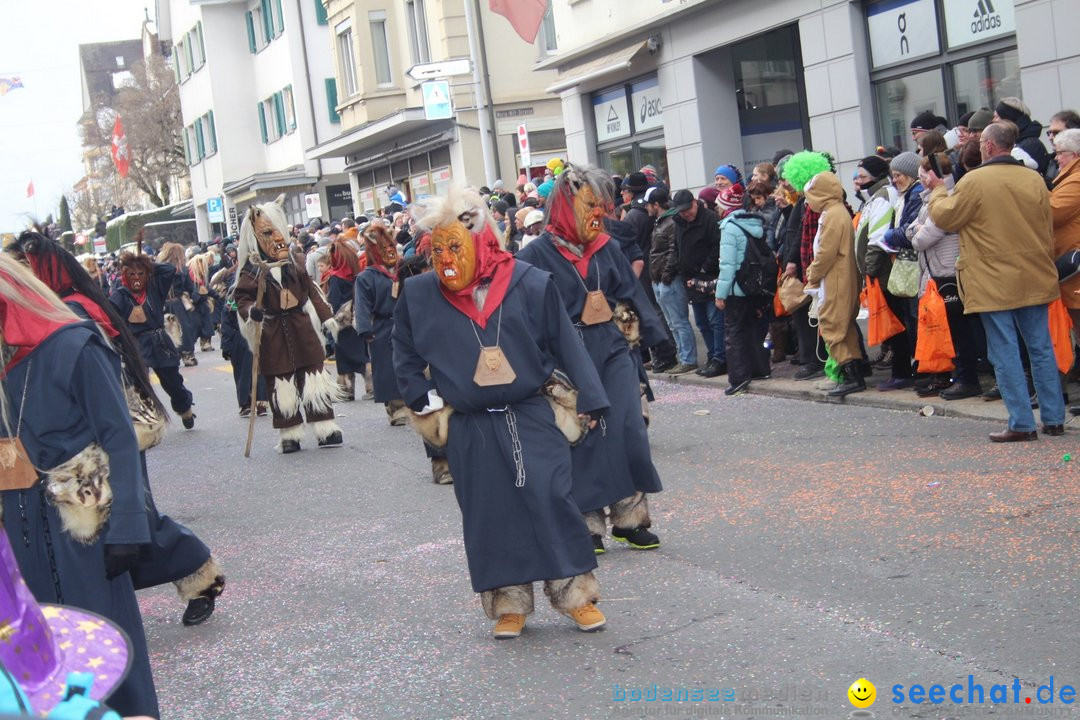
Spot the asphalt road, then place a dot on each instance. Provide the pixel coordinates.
(805, 546)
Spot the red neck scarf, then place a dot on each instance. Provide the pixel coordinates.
(52, 273)
(24, 329)
(562, 222)
(492, 264)
(340, 267)
(139, 297)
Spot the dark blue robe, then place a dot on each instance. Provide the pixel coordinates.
(189, 319)
(350, 350)
(73, 399)
(373, 312)
(611, 465)
(157, 347)
(513, 535)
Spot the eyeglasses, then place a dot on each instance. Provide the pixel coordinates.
(1051, 133)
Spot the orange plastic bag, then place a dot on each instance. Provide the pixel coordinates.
(1060, 329)
(883, 324)
(934, 348)
(778, 307)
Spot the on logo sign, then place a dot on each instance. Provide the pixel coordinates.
(901, 25)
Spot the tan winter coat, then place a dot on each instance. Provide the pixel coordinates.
(834, 267)
(1001, 211)
(1065, 206)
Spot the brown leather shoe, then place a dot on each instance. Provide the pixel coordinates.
(1008, 435)
(1053, 430)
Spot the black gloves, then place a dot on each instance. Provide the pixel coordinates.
(255, 314)
(119, 559)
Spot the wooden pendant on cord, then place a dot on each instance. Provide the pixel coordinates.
(138, 315)
(395, 289)
(492, 368)
(16, 470)
(596, 308)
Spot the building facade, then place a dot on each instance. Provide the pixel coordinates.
(690, 85)
(386, 136)
(253, 88)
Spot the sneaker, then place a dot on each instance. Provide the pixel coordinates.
(662, 366)
(739, 389)
(766, 376)
(509, 626)
(884, 359)
(639, 538)
(587, 617)
(261, 408)
(245, 412)
(959, 391)
(714, 368)
(198, 611)
(810, 372)
(332, 440)
(598, 545)
(895, 384)
(681, 369)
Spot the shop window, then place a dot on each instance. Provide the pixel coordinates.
(984, 81)
(898, 101)
(767, 76)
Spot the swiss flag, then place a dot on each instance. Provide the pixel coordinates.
(30, 189)
(120, 148)
(525, 15)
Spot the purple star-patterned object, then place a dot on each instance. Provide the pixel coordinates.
(41, 644)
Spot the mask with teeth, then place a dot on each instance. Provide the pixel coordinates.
(272, 244)
(379, 246)
(453, 254)
(589, 212)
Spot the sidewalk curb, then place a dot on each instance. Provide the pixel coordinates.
(868, 398)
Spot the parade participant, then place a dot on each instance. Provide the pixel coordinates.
(74, 506)
(612, 468)
(174, 553)
(511, 462)
(234, 348)
(290, 351)
(203, 315)
(140, 299)
(181, 300)
(375, 292)
(350, 350)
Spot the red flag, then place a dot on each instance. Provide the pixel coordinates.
(525, 15)
(30, 189)
(120, 148)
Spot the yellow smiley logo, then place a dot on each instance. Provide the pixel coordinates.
(862, 693)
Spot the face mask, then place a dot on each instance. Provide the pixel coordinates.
(271, 242)
(134, 279)
(453, 254)
(589, 213)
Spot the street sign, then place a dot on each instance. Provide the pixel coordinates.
(313, 206)
(437, 100)
(215, 210)
(446, 68)
(523, 146)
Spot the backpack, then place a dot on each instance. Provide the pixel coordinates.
(756, 275)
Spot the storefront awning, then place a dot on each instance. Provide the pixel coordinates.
(611, 62)
(295, 177)
(385, 130)
(399, 150)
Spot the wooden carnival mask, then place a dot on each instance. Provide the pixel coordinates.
(589, 212)
(453, 254)
(134, 277)
(273, 245)
(380, 246)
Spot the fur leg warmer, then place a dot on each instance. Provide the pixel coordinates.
(631, 512)
(324, 428)
(207, 581)
(320, 393)
(596, 521)
(572, 592)
(517, 599)
(285, 397)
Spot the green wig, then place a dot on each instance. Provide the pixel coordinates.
(804, 165)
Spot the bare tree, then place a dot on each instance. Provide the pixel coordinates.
(149, 108)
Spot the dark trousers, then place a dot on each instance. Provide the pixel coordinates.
(241, 372)
(968, 336)
(811, 346)
(744, 337)
(906, 311)
(172, 382)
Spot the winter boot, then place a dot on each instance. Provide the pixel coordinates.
(853, 380)
(778, 332)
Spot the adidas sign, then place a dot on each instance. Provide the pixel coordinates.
(985, 18)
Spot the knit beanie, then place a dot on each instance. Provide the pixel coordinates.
(729, 199)
(876, 166)
(708, 195)
(927, 120)
(980, 120)
(906, 163)
(730, 172)
(1005, 112)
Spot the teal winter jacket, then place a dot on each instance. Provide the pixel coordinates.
(734, 230)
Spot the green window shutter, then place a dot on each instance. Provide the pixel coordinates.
(187, 150)
(279, 112)
(213, 131)
(267, 20)
(251, 32)
(331, 100)
(176, 64)
(200, 141)
(320, 13)
(280, 17)
(262, 124)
